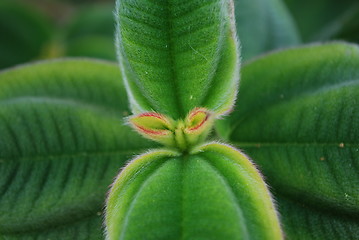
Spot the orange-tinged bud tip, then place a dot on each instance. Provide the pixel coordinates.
(151, 123)
(182, 134)
(154, 126)
(198, 118)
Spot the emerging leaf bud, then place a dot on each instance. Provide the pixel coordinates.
(199, 123)
(154, 126)
(181, 134)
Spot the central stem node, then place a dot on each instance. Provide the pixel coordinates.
(182, 134)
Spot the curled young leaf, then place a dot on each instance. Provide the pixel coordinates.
(176, 56)
(213, 193)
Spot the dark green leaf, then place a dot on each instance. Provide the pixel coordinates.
(177, 56)
(303, 222)
(345, 27)
(298, 117)
(264, 25)
(312, 16)
(62, 142)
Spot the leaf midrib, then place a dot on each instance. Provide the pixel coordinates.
(172, 59)
(134, 197)
(234, 197)
(291, 98)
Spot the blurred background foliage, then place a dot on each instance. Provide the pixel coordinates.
(46, 29)
(33, 30)
(326, 19)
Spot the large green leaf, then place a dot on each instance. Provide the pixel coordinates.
(62, 142)
(298, 117)
(177, 56)
(212, 193)
(264, 25)
(303, 222)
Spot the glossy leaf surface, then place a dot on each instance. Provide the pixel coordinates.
(215, 193)
(298, 117)
(176, 56)
(62, 142)
(264, 25)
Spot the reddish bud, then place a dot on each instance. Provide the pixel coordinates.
(154, 126)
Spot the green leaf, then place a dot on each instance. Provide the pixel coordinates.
(350, 28)
(312, 16)
(305, 222)
(183, 135)
(213, 193)
(264, 25)
(298, 117)
(62, 142)
(177, 56)
(24, 31)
